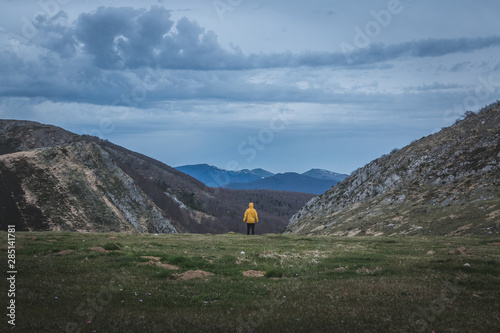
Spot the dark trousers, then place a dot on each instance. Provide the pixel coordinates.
(250, 226)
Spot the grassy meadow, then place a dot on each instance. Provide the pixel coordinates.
(83, 282)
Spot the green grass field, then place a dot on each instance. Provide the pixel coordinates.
(121, 283)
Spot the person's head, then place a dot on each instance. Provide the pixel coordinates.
(250, 205)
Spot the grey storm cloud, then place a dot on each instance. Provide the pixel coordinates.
(130, 38)
(57, 36)
(378, 52)
(124, 37)
(104, 54)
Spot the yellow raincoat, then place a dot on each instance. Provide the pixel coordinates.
(250, 215)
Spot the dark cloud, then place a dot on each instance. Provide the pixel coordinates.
(190, 47)
(102, 32)
(436, 86)
(379, 52)
(131, 38)
(57, 35)
(460, 66)
(104, 57)
(440, 47)
(121, 38)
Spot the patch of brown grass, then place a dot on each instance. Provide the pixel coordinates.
(252, 273)
(368, 270)
(64, 252)
(192, 275)
(151, 257)
(461, 250)
(271, 254)
(98, 249)
(159, 264)
(24, 236)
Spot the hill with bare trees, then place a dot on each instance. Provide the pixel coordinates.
(53, 179)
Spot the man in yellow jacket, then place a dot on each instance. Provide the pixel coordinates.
(250, 218)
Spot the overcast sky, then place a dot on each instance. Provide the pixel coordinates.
(279, 84)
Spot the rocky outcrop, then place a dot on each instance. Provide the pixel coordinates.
(19, 135)
(446, 184)
(75, 187)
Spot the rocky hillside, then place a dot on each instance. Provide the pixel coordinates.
(52, 179)
(74, 187)
(447, 183)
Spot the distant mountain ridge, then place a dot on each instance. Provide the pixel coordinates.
(52, 179)
(288, 181)
(447, 183)
(213, 176)
(325, 174)
(314, 181)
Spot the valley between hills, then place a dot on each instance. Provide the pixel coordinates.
(53, 179)
(444, 184)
